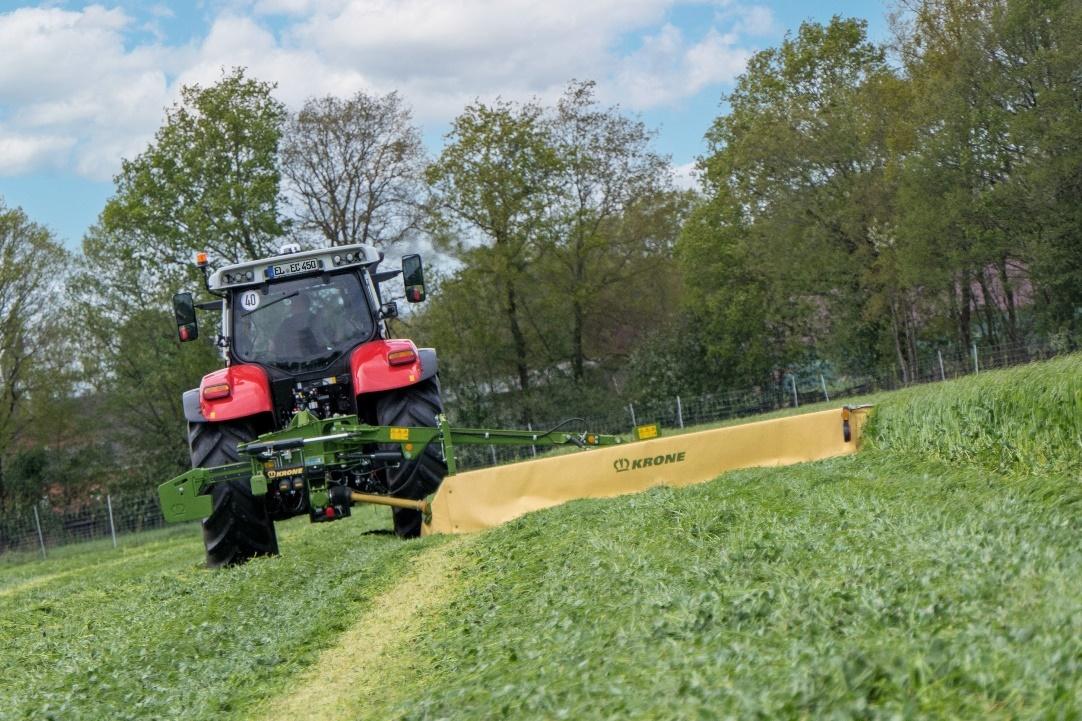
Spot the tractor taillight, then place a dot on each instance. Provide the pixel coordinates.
(218, 390)
(401, 357)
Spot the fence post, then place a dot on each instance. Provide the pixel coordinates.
(679, 412)
(493, 449)
(823, 382)
(631, 407)
(532, 447)
(942, 372)
(796, 400)
(976, 365)
(41, 538)
(112, 526)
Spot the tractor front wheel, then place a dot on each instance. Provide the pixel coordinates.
(416, 405)
(238, 527)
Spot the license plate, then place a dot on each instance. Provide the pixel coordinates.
(299, 266)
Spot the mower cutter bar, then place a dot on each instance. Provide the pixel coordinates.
(306, 455)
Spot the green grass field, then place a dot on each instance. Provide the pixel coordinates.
(936, 574)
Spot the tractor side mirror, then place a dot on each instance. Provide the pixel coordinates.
(184, 310)
(413, 276)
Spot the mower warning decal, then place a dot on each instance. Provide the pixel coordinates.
(624, 464)
(400, 434)
(249, 300)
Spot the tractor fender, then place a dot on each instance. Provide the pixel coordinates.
(249, 393)
(372, 370)
(429, 363)
(192, 412)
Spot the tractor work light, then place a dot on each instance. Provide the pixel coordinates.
(345, 258)
(401, 357)
(218, 390)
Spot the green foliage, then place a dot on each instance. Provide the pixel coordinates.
(568, 220)
(779, 258)
(34, 368)
(1025, 420)
(210, 180)
(865, 213)
(494, 180)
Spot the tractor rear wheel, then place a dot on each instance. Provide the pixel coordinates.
(238, 527)
(416, 405)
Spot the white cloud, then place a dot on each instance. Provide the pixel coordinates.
(67, 75)
(78, 90)
(300, 72)
(20, 153)
(667, 67)
(687, 176)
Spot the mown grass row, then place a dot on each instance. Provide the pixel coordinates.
(151, 634)
(937, 575)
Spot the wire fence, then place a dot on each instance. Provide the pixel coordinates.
(788, 390)
(50, 524)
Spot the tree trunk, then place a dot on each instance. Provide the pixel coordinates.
(895, 331)
(965, 313)
(518, 339)
(990, 311)
(577, 361)
(1008, 293)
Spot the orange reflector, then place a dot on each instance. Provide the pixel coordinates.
(219, 390)
(200, 259)
(401, 357)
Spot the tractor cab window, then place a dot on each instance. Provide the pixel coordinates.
(300, 325)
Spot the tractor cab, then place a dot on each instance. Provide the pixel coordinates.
(300, 325)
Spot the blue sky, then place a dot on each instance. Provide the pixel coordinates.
(83, 85)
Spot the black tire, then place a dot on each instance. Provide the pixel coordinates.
(238, 527)
(416, 405)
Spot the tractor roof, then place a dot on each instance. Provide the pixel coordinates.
(291, 262)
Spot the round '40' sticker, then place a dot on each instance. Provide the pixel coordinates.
(249, 300)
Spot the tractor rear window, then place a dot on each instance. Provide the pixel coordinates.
(301, 325)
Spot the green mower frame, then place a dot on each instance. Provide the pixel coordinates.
(303, 458)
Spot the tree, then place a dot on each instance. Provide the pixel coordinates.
(130, 355)
(495, 180)
(608, 175)
(210, 180)
(33, 267)
(356, 168)
(798, 186)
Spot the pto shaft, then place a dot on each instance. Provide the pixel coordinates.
(372, 498)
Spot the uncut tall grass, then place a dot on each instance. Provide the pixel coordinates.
(1021, 420)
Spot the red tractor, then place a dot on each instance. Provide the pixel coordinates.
(306, 330)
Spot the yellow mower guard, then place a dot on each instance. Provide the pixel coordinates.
(484, 498)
